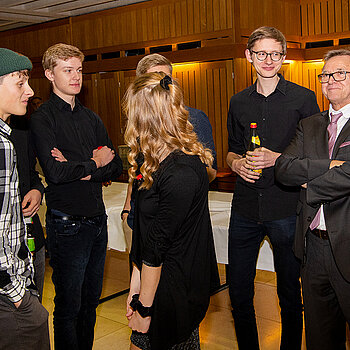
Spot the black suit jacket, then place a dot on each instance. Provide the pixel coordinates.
(306, 160)
(28, 177)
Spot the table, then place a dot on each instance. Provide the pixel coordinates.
(219, 207)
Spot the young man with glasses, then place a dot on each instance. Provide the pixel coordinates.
(318, 160)
(260, 206)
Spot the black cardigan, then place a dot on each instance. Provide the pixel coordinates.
(173, 230)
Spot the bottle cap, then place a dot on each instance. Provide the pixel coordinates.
(253, 125)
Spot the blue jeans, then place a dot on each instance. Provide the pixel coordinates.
(77, 251)
(245, 237)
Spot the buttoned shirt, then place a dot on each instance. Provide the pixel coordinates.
(16, 266)
(76, 133)
(277, 117)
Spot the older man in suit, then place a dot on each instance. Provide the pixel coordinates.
(318, 159)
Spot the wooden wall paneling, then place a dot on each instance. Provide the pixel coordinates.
(244, 14)
(41, 87)
(217, 129)
(345, 15)
(304, 19)
(331, 16)
(318, 20)
(338, 15)
(184, 18)
(196, 16)
(190, 17)
(33, 41)
(210, 16)
(109, 104)
(88, 95)
(324, 17)
(311, 19)
(310, 71)
(224, 102)
(217, 19)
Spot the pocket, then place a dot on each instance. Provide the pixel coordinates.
(65, 228)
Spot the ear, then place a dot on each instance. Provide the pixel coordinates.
(248, 56)
(49, 75)
(283, 58)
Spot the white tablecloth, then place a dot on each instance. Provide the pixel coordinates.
(219, 207)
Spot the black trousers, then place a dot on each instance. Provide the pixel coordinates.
(326, 297)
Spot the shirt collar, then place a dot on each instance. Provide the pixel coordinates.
(63, 105)
(281, 86)
(5, 128)
(345, 110)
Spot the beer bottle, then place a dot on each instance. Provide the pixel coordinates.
(254, 142)
(30, 237)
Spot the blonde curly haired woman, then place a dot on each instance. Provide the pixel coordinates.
(174, 264)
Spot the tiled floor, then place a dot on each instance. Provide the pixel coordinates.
(216, 331)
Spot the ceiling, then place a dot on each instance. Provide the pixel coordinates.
(20, 13)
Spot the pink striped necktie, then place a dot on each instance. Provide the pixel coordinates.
(332, 136)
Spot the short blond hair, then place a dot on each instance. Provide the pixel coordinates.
(60, 52)
(150, 61)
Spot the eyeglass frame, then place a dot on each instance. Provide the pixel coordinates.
(267, 55)
(331, 75)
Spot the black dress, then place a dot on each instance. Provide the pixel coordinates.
(173, 230)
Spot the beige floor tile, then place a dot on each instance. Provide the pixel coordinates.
(114, 309)
(266, 302)
(268, 277)
(105, 326)
(118, 340)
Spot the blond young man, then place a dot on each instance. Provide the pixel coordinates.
(23, 320)
(76, 156)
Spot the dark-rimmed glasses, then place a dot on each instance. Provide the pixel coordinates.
(262, 55)
(337, 76)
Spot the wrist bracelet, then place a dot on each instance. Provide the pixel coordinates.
(124, 211)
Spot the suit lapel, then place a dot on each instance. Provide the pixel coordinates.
(345, 132)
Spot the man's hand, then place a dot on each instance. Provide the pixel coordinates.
(244, 170)
(31, 203)
(57, 154)
(262, 158)
(102, 156)
(139, 324)
(18, 303)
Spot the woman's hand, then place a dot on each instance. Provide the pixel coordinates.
(139, 324)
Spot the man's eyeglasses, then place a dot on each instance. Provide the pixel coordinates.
(262, 55)
(337, 76)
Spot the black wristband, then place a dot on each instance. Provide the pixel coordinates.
(136, 305)
(124, 211)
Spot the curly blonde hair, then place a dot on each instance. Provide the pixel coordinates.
(157, 125)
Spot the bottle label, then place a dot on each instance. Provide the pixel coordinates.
(31, 244)
(256, 140)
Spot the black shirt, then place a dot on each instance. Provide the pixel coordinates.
(76, 134)
(28, 177)
(277, 117)
(172, 228)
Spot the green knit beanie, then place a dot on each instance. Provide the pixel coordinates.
(11, 61)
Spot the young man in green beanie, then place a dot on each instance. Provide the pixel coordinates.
(23, 320)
